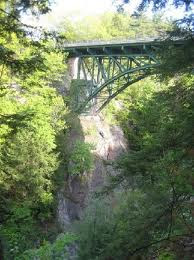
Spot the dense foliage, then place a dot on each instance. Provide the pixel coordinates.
(158, 4)
(81, 158)
(48, 251)
(31, 117)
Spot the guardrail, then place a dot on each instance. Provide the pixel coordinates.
(117, 41)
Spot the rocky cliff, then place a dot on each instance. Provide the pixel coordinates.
(108, 142)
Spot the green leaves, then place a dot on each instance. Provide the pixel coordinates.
(32, 115)
(58, 250)
(81, 159)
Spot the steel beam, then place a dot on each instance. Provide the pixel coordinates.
(103, 66)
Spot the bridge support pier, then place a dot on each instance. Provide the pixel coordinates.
(73, 67)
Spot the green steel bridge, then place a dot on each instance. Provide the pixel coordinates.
(102, 70)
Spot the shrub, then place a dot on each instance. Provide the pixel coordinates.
(81, 159)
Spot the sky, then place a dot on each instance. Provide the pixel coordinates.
(77, 9)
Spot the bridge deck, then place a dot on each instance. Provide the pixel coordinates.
(114, 47)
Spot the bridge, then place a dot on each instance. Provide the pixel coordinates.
(102, 70)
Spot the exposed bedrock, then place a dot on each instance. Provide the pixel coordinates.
(108, 143)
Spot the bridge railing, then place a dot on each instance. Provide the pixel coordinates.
(114, 41)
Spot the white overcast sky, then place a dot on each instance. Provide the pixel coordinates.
(79, 8)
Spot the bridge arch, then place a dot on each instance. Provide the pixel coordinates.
(104, 70)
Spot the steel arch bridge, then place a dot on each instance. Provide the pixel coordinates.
(102, 70)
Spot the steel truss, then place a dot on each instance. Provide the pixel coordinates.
(105, 69)
(107, 76)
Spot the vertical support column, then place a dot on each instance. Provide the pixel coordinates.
(98, 74)
(108, 75)
(73, 67)
(79, 68)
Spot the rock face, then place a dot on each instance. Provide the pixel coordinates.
(71, 200)
(108, 139)
(108, 143)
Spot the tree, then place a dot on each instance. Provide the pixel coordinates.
(159, 4)
(32, 116)
(187, 21)
(12, 27)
